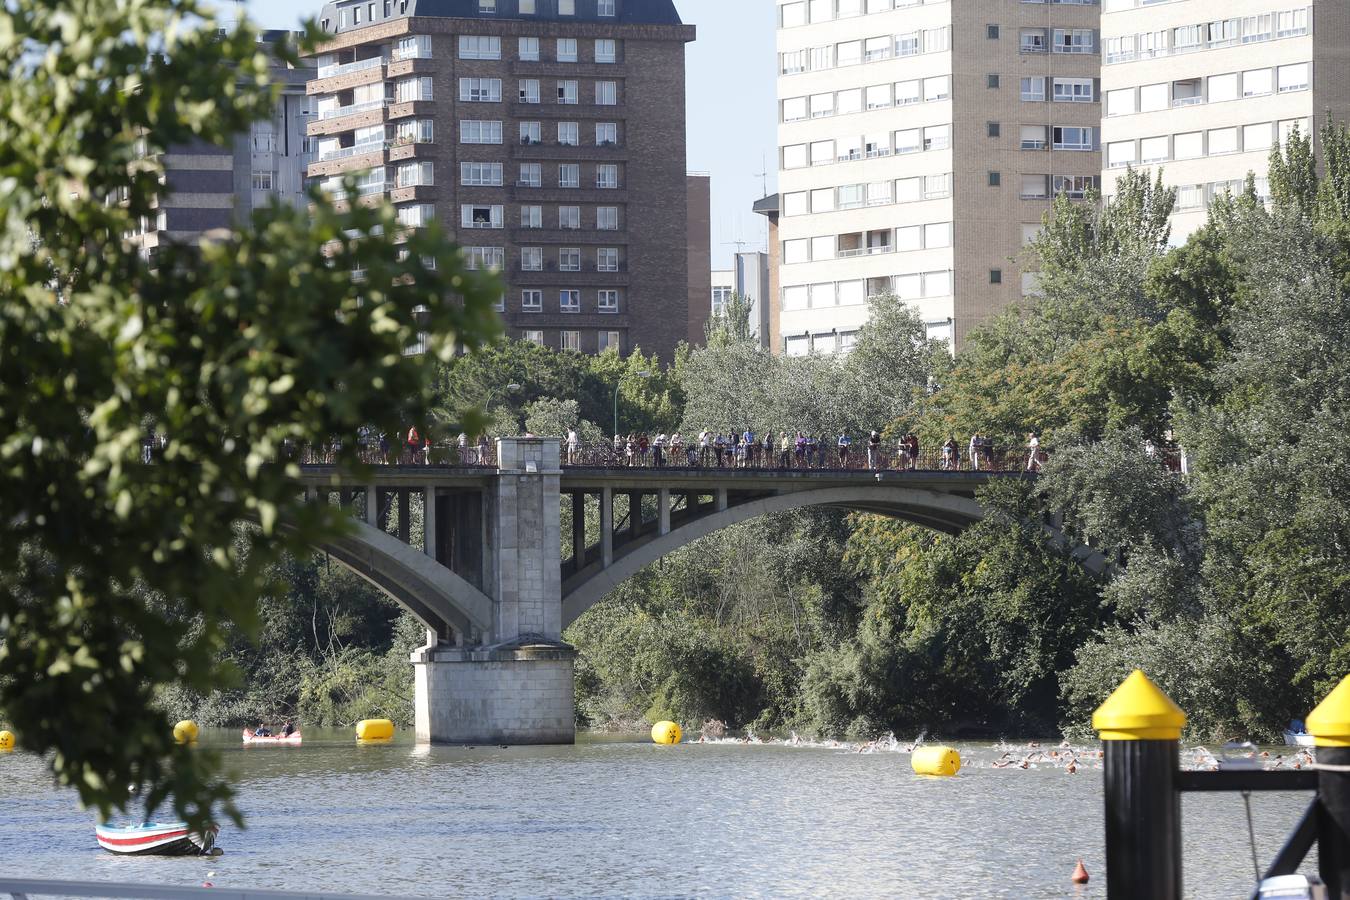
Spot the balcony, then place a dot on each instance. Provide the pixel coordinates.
(544, 150)
(410, 192)
(878, 250)
(402, 150)
(332, 79)
(340, 111)
(347, 159)
(348, 118)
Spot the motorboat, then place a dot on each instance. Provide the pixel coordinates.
(289, 740)
(1299, 739)
(156, 839)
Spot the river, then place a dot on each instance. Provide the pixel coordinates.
(625, 818)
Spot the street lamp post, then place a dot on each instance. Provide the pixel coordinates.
(643, 374)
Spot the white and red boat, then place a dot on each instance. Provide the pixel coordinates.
(156, 839)
(291, 740)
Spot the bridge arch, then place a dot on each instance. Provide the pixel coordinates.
(947, 513)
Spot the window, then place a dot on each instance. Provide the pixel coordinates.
(484, 216)
(606, 50)
(991, 82)
(416, 131)
(1033, 137)
(567, 92)
(1074, 40)
(792, 15)
(1155, 97)
(567, 49)
(607, 259)
(879, 96)
(1120, 103)
(480, 174)
(264, 139)
(1035, 187)
(796, 251)
(414, 174)
(995, 276)
(992, 129)
(262, 181)
(528, 48)
(483, 257)
(527, 7)
(569, 217)
(569, 301)
(1190, 145)
(1293, 78)
(473, 131)
(487, 7)
(569, 259)
(1223, 87)
(608, 301)
(991, 32)
(571, 340)
(907, 140)
(907, 92)
(1257, 82)
(937, 137)
(531, 217)
(531, 133)
(567, 7)
(995, 179)
(606, 134)
(847, 102)
(1187, 38)
(1074, 90)
(1119, 154)
(1222, 140)
(480, 90)
(1257, 137)
(606, 93)
(531, 175)
(569, 175)
(1033, 89)
(605, 8)
(529, 90)
(532, 259)
(607, 218)
(415, 47)
(607, 176)
(939, 88)
(1294, 22)
(416, 215)
(1153, 150)
(532, 337)
(794, 156)
(794, 109)
(410, 89)
(1031, 40)
(936, 187)
(568, 134)
(822, 153)
(935, 40)
(480, 47)
(609, 340)
(532, 301)
(1072, 138)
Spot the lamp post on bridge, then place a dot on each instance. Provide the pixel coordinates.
(642, 374)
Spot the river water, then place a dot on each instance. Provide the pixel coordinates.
(625, 818)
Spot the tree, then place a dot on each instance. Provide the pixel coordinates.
(117, 577)
(1292, 173)
(731, 324)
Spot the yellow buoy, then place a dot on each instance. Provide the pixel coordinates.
(666, 733)
(185, 732)
(1329, 723)
(941, 761)
(6, 742)
(374, 730)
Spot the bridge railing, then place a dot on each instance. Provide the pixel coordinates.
(829, 458)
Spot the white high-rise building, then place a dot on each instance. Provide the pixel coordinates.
(1202, 89)
(919, 145)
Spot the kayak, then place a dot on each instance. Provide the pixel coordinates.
(156, 838)
(291, 740)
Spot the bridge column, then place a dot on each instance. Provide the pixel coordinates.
(663, 522)
(606, 527)
(517, 687)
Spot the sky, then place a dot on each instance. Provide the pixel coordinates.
(734, 138)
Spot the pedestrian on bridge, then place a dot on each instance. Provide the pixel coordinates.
(573, 446)
(844, 443)
(873, 450)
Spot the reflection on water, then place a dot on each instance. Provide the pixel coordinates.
(625, 818)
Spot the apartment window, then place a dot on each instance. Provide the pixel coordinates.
(1073, 138)
(1292, 23)
(877, 48)
(1120, 103)
(474, 131)
(480, 174)
(531, 217)
(1187, 38)
(606, 50)
(1074, 90)
(532, 337)
(608, 301)
(1257, 137)
(607, 259)
(908, 140)
(472, 46)
(262, 181)
(995, 276)
(411, 89)
(414, 174)
(528, 48)
(529, 90)
(532, 301)
(908, 44)
(1031, 40)
(487, 7)
(264, 139)
(607, 218)
(416, 131)
(531, 175)
(569, 259)
(995, 179)
(939, 88)
(1223, 87)
(794, 109)
(991, 81)
(567, 49)
(1155, 97)
(606, 93)
(1035, 187)
(792, 14)
(532, 259)
(1257, 82)
(527, 7)
(936, 40)
(606, 134)
(1075, 187)
(483, 257)
(567, 92)
(416, 215)
(569, 301)
(568, 134)
(605, 8)
(936, 187)
(1293, 78)
(794, 156)
(414, 47)
(531, 133)
(1033, 137)
(607, 176)
(480, 90)
(1154, 149)
(475, 216)
(1120, 154)
(937, 137)
(567, 7)
(991, 32)
(907, 92)
(1033, 89)
(569, 217)
(992, 129)
(1074, 40)
(571, 340)
(879, 96)
(1256, 28)
(609, 340)
(569, 175)
(1190, 145)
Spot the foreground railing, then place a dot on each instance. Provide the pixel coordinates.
(23, 888)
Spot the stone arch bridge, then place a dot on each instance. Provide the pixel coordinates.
(478, 555)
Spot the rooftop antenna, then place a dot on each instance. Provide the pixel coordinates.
(763, 176)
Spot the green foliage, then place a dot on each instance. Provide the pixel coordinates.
(116, 577)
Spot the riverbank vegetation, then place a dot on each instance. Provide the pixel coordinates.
(1228, 585)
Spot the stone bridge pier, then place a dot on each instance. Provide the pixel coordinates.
(515, 684)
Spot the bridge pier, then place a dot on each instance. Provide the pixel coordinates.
(516, 688)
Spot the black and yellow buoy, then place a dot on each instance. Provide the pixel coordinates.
(666, 733)
(1329, 724)
(6, 742)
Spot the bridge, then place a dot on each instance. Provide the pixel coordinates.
(474, 547)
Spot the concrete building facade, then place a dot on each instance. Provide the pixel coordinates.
(211, 188)
(1202, 89)
(700, 253)
(919, 145)
(547, 137)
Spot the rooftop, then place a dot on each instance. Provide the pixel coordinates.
(627, 12)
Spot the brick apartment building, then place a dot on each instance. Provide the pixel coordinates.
(546, 136)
